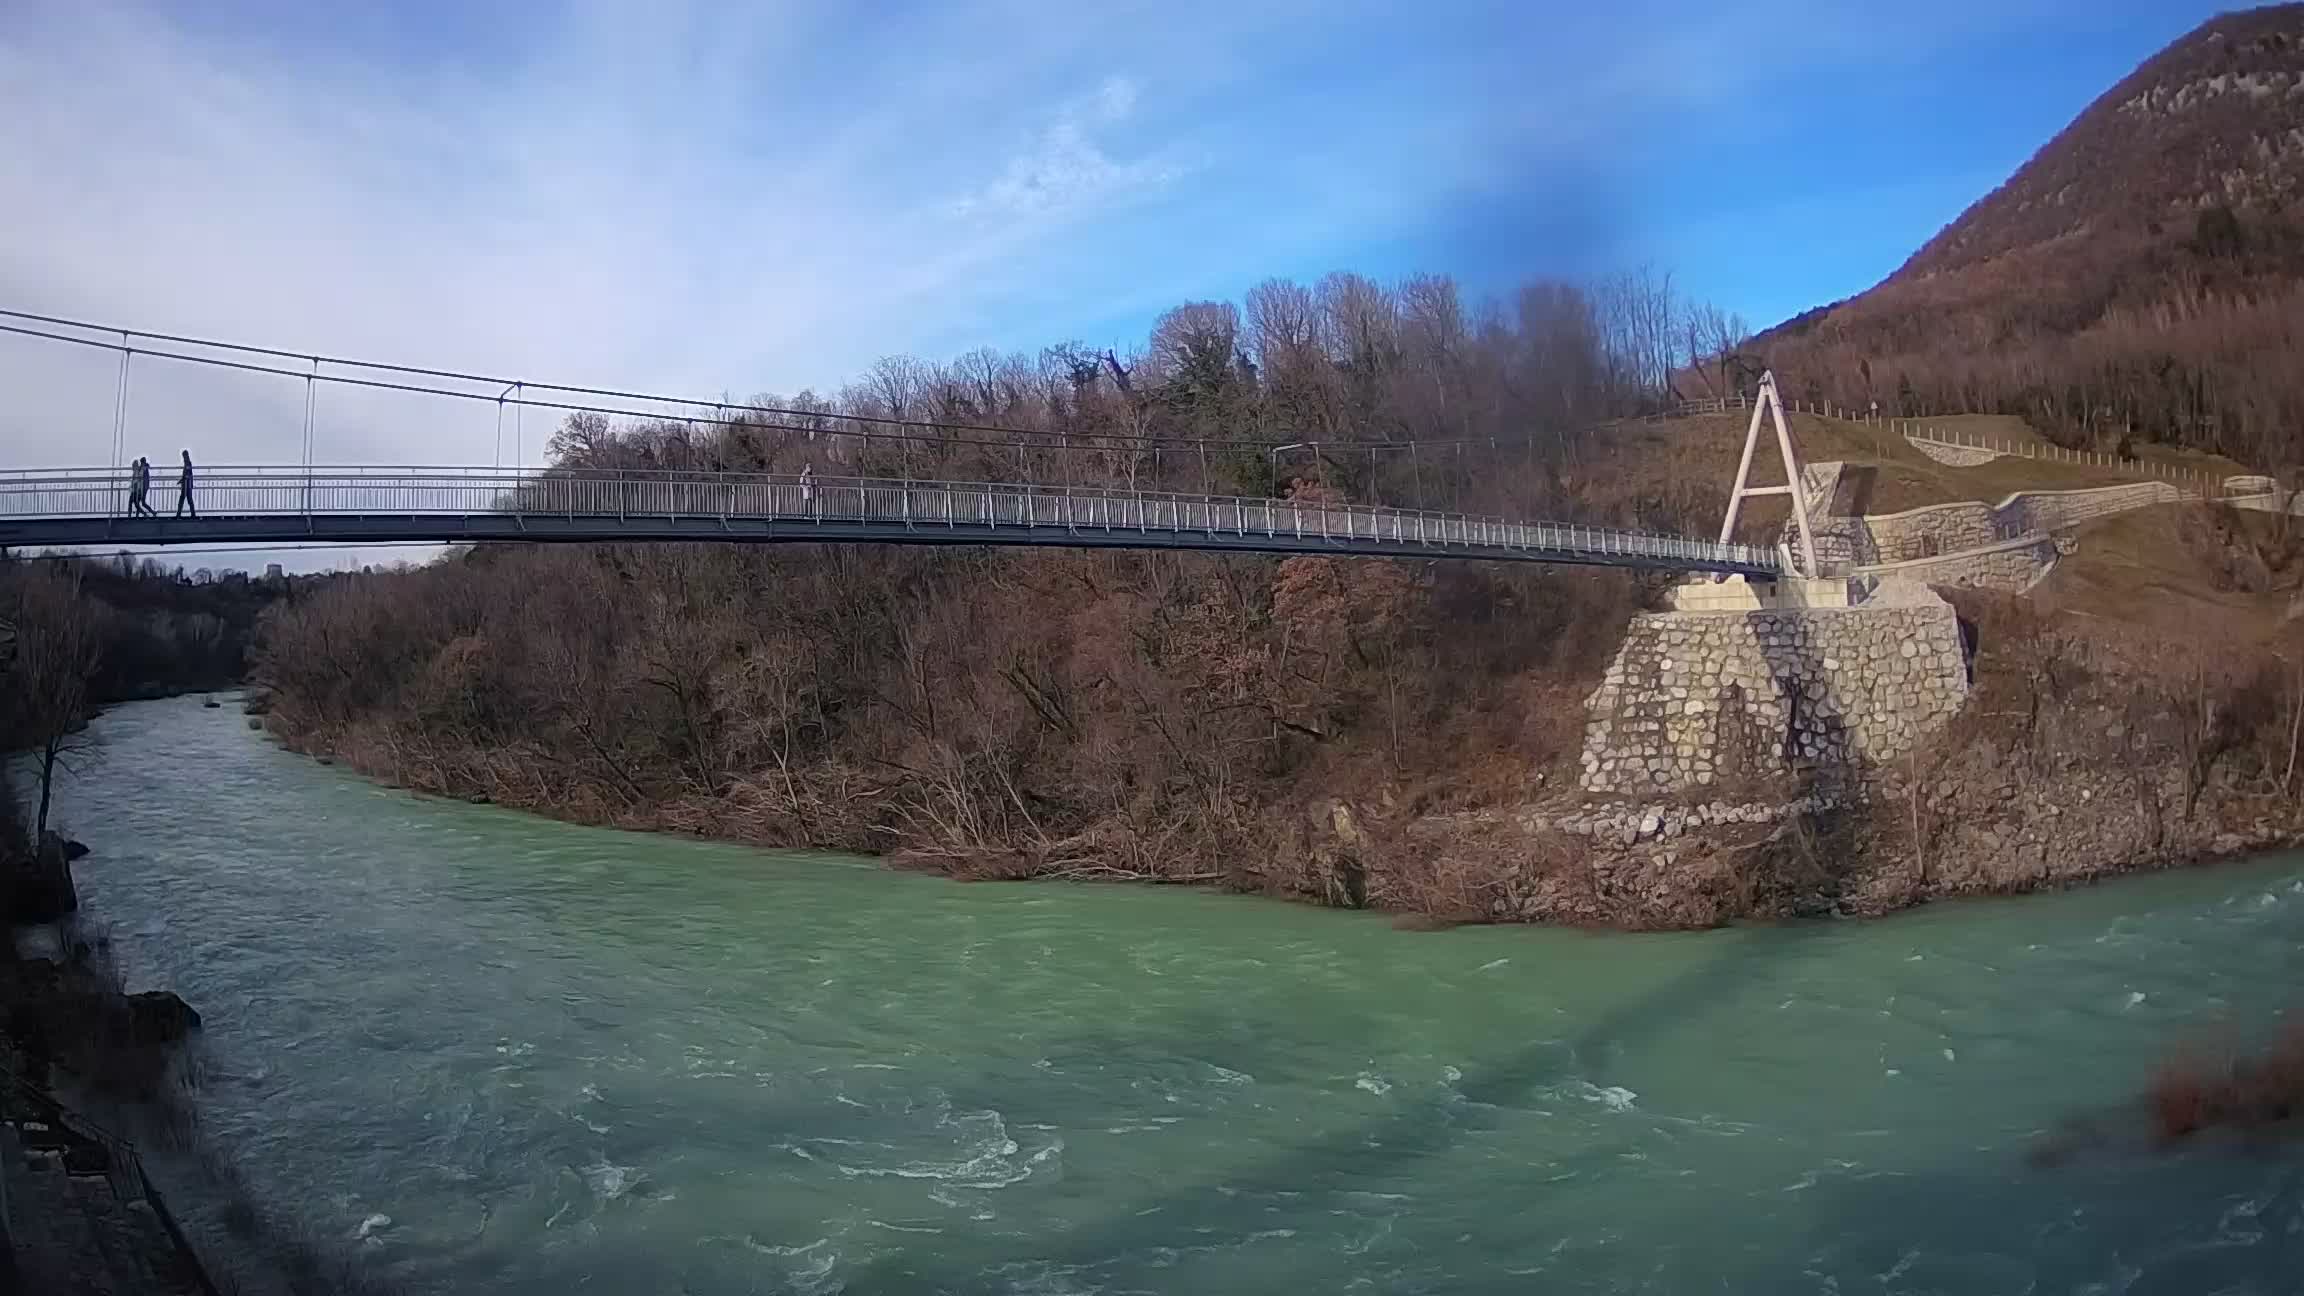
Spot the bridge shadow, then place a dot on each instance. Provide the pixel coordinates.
(1323, 1174)
(2183, 1224)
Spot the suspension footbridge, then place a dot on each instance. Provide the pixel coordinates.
(857, 475)
(92, 507)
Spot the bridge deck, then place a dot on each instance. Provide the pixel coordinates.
(289, 505)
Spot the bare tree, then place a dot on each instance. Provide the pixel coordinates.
(1715, 339)
(58, 646)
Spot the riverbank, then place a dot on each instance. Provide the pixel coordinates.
(2076, 758)
(81, 1213)
(494, 1052)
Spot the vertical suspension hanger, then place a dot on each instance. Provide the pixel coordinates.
(120, 412)
(497, 459)
(311, 398)
(311, 390)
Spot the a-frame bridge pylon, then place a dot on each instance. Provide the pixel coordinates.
(1768, 404)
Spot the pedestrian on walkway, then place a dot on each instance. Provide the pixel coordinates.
(184, 490)
(140, 488)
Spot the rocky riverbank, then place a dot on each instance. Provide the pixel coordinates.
(81, 1213)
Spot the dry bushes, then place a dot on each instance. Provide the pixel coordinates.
(987, 713)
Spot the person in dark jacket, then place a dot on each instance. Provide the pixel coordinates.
(140, 488)
(184, 490)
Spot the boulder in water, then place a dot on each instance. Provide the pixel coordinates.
(160, 1017)
(255, 722)
(211, 705)
(72, 850)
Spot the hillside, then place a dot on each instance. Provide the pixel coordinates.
(2216, 118)
(2139, 277)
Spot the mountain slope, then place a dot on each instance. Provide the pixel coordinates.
(2216, 118)
(2141, 276)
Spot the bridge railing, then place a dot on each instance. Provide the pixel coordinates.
(772, 497)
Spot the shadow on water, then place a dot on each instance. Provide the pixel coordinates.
(2214, 1222)
(1323, 1172)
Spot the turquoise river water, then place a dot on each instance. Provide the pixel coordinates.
(488, 1052)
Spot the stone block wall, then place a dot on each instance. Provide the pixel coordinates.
(1940, 529)
(2030, 511)
(2011, 566)
(1696, 697)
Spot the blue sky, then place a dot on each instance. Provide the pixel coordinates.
(744, 198)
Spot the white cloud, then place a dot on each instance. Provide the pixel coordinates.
(1065, 170)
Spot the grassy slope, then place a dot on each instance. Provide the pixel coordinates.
(2155, 569)
(1663, 458)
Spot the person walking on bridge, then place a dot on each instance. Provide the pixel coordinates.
(184, 490)
(140, 488)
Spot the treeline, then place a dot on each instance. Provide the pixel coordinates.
(76, 633)
(1003, 712)
(2186, 333)
(165, 630)
(1325, 381)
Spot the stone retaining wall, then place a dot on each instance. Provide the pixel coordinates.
(2012, 566)
(1939, 529)
(2030, 511)
(1696, 697)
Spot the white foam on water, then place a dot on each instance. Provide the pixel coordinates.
(1903, 1262)
(1451, 1074)
(371, 1224)
(815, 1263)
(986, 1158)
(1492, 964)
(1951, 1056)
(1615, 1098)
(609, 1181)
(1226, 1075)
(1373, 1083)
(2135, 997)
